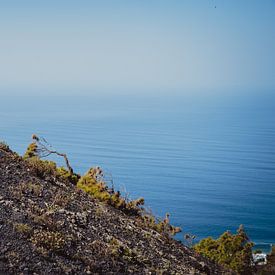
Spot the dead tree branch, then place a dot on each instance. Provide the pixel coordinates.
(44, 150)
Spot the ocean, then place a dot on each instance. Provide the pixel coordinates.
(209, 161)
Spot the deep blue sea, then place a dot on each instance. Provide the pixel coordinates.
(207, 160)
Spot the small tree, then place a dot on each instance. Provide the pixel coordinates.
(232, 251)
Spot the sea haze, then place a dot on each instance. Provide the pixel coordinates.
(208, 161)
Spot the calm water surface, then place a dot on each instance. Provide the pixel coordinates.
(210, 162)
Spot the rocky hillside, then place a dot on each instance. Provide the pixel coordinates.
(49, 226)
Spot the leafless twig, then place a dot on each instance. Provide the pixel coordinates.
(43, 150)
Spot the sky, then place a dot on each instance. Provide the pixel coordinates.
(136, 46)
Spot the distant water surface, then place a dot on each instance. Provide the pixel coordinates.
(210, 162)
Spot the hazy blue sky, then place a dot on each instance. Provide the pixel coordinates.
(136, 45)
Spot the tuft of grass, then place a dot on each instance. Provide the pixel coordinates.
(53, 241)
(62, 199)
(45, 220)
(118, 249)
(22, 228)
(29, 188)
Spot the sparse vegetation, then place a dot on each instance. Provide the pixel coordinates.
(31, 151)
(161, 226)
(27, 188)
(41, 148)
(62, 199)
(22, 228)
(93, 183)
(4, 146)
(42, 168)
(118, 249)
(64, 174)
(55, 227)
(231, 250)
(53, 241)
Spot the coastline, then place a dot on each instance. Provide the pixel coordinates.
(264, 247)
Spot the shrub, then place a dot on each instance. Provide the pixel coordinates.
(22, 228)
(161, 226)
(4, 146)
(42, 168)
(232, 251)
(63, 173)
(53, 241)
(93, 183)
(62, 199)
(30, 188)
(35, 151)
(118, 249)
(31, 151)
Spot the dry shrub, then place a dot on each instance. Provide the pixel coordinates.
(53, 241)
(161, 226)
(93, 183)
(31, 151)
(42, 168)
(22, 228)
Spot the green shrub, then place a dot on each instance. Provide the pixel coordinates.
(31, 151)
(42, 168)
(63, 173)
(161, 226)
(118, 249)
(232, 251)
(93, 184)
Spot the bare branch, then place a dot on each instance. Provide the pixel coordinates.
(44, 151)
